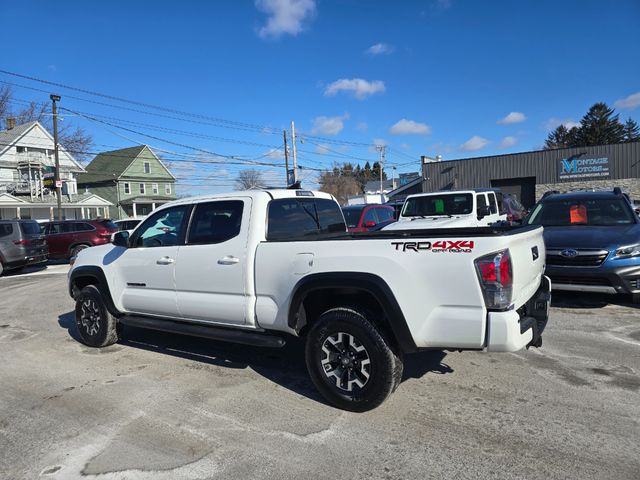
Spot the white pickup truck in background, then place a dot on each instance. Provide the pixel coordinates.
(259, 267)
(450, 209)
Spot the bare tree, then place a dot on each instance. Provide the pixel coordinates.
(339, 185)
(249, 179)
(75, 139)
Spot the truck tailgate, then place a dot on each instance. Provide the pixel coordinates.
(528, 258)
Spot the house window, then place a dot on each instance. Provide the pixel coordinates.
(127, 188)
(155, 188)
(167, 188)
(147, 167)
(142, 188)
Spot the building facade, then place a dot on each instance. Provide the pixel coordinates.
(27, 183)
(134, 179)
(529, 175)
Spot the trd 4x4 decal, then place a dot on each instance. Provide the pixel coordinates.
(452, 246)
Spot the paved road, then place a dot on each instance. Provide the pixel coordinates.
(158, 406)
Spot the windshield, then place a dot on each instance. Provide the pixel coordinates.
(352, 216)
(446, 204)
(598, 211)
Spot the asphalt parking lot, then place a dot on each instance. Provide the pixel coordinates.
(167, 407)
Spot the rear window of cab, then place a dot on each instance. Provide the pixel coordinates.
(289, 218)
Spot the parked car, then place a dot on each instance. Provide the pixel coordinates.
(128, 224)
(592, 240)
(21, 244)
(450, 209)
(260, 266)
(68, 237)
(365, 218)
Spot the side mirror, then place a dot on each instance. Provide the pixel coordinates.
(370, 223)
(483, 212)
(121, 239)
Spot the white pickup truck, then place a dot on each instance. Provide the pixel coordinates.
(450, 209)
(259, 267)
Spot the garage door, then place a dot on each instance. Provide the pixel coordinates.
(524, 188)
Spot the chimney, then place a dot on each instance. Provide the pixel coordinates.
(11, 123)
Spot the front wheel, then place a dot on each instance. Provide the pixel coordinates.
(350, 362)
(96, 326)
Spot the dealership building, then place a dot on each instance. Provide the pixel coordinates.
(529, 175)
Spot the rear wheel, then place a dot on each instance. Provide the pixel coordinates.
(350, 362)
(96, 326)
(77, 249)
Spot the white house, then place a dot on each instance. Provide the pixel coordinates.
(27, 187)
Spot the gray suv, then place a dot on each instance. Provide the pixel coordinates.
(21, 243)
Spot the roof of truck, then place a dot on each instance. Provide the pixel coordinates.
(257, 193)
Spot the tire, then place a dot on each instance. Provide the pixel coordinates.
(96, 326)
(349, 361)
(77, 249)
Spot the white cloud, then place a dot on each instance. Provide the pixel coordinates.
(358, 87)
(513, 117)
(275, 153)
(628, 103)
(377, 142)
(362, 126)
(508, 142)
(284, 16)
(474, 143)
(405, 146)
(553, 123)
(380, 49)
(409, 127)
(328, 125)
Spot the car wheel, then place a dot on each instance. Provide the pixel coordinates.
(349, 361)
(96, 326)
(77, 249)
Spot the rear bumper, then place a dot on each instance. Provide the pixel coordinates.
(602, 279)
(513, 330)
(26, 261)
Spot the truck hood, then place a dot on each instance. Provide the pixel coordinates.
(99, 255)
(591, 237)
(430, 222)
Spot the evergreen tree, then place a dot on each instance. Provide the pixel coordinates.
(600, 126)
(631, 131)
(561, 137)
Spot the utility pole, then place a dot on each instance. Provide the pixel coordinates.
(381, 149)
(295, 159)
(286, 158)
(54, 99)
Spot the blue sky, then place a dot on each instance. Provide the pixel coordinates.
(450, 77)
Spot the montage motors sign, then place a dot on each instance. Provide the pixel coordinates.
(577, 168)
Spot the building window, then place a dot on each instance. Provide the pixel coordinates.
(127, 188)
(147, 167)
(142, 188)
(154, 187)
(167, 189)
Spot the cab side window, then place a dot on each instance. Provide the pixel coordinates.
(492, 204)
(164, 228)
(384, 214)
(482, 201)
(215, 222)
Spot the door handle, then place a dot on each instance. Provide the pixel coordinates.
(228, 260)
(165, 261)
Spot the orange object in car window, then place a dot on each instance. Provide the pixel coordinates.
(578, 214)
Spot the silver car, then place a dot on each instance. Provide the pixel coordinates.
(21, 244)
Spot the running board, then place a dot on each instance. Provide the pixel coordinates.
(213, 333)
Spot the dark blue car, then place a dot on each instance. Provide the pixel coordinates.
(592, 241)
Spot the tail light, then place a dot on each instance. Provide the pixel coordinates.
(104, 234)
(496, 279)
(22, 242)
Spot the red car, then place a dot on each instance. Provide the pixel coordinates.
(364, 218)
(68, 237)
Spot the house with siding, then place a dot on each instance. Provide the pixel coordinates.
(27, 171)
(134, 179)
